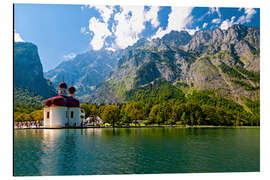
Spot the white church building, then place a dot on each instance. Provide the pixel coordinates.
(63, 110)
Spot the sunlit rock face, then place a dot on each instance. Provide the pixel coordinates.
(206, 60)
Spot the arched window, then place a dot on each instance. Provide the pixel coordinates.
(71, 114)
(48, 114)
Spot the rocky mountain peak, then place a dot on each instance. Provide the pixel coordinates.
(177, 38)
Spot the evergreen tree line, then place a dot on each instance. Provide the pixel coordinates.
(190, 113)
(162, 103)
(27, 106)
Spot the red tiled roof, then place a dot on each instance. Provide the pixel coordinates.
(72, 102)
(62, 101)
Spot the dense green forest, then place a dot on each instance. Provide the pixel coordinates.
(159, 103)
(27, 106)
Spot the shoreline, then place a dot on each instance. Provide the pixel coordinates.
(119, 127)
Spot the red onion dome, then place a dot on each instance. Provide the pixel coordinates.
(62, 85)
(71, 90)
(72, 102)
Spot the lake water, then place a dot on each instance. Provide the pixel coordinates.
(135, 151)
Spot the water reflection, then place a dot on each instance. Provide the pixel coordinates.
(134, 150)
(27, 152)
(59, 152)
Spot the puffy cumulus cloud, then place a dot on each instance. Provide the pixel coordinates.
(131, 22)
(178, 19)
(246, 18)
(105, 12)
(249, 13)
(126, 26)
(227, 23)
(69, 56)
(100, 33)
(152, 16)
(99, 28)
(17, 37)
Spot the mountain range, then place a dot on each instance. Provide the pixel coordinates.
(225, 62)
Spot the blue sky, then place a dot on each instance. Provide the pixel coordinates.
(62, 31)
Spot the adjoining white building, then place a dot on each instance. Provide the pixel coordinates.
(93, 121)
(63, 110)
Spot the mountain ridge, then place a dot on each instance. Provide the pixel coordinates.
(226, 61)
(201, 61)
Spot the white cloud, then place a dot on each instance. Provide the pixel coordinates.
(178, 19)
(213, 10)
(246, 18)
(105, 12)
(241, 19)
(249, 12)
(100, 33)
(227, 23)
(98, 27)
(131, 22)
(192, 31)
(83, 30)
(152, 16)
(160, 33)
(69, 56)
(216, 21)
(110, 49)
(204, 25)
(240, 9)
(17, 37)
(127, 26)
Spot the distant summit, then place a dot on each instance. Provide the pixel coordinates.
(86, 71)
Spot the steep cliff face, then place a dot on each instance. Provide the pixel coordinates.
(226, 61)
(28, 72)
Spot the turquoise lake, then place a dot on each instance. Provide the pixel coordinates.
(135, 151)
